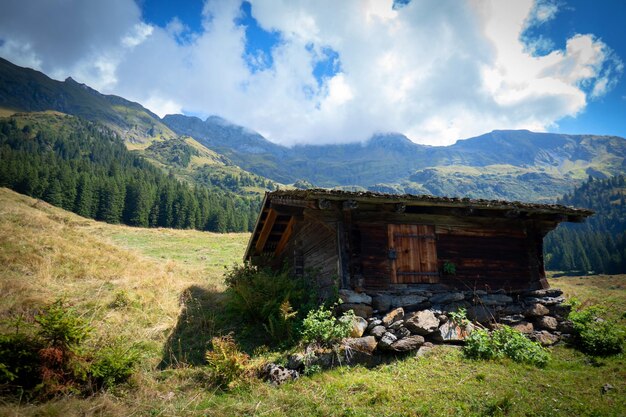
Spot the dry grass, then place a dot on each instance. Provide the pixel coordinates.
(157, 287)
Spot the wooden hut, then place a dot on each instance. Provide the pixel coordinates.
(378, 243)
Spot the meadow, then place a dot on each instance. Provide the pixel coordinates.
(161, 291)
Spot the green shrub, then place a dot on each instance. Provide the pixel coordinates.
(227, 365)
(275, 300)
(113, 365)
(61, 327)
(505, 342)
(19, 360)
(594, 335)
(321, 326)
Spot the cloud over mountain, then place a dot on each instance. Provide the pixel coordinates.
(433, 70)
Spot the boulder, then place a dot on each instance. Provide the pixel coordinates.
(548, 301)
(373, 323)
(514, 308)
(365, 344)
(407, 300)
(447, 297)
(548, 292)
(566, 326)
(422, 322)
(393, 315)
(402, 332)
(277, 374)
(407, 344)
(560, 311)
(547, 323)
(381, 302)
(361, 310)
(396, 325)
(296, 361)
(451, 332)
(536, 310)
(352, 297)
(481, 314)
(424, 349)
(387, 340)
(512, 319)
(524, 327)
(545, 338)
(359, 324)
(378, 331)
(495, 299)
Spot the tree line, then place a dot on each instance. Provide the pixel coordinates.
(598, 244)
(85, 167)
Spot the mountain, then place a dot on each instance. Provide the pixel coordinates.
(503, 164)
(27, 90)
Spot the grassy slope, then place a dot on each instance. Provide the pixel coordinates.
(172, 280)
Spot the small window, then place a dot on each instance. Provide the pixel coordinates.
(413, 253)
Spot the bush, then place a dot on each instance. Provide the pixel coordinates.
(19, 360)
(113, 365)
(505, 342)
(321, 326)
(61, 327)
(226, 363)
(594, 335)
(277, 301)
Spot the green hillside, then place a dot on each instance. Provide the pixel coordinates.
(161, 291)
(84, 167)
(599, 244)
(27, 90)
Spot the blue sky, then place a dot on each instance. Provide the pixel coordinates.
(326, 71)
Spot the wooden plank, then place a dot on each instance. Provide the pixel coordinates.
(285, 237)
(265, 231)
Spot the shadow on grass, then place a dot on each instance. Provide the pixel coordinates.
(204, 315)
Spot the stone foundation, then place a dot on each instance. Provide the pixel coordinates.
(424, 314)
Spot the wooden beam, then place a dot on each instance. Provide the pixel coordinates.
(285, 237)
(265, 231)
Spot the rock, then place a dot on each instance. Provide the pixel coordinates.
(396, 325)
(443, 318)
(424, 349)
(514, 308)
(512, 319)
(277, 374)
(547, 323)
(548, 292)
(524, 327)
(566, 326)
(378, 331)
(447, 297)
(402, 332)
(422, 322)
(365, 344)
(393, 315)
(606, 388)
(548, 301)
(481, 314)
(356, 357)
(407, 344)
(495, 299)
(352, 297)
(451, 332)
(536, 310)
(359, 324)
(407, 300)
(361, 310)
(545, 338)
(295, 361)
(381, 302)
(373, 323)
(560, 311)
(387, 340)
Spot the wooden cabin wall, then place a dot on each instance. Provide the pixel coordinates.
(314, 249)
(490, 259)
(372, 262)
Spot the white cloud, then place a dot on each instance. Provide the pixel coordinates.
(435, 70)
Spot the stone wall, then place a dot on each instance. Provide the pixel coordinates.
(418, 314)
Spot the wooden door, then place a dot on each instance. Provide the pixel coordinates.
(413, 253)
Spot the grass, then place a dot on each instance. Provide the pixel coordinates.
(170, 284)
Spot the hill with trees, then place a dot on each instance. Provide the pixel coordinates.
(85, 167)
(599, 244)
